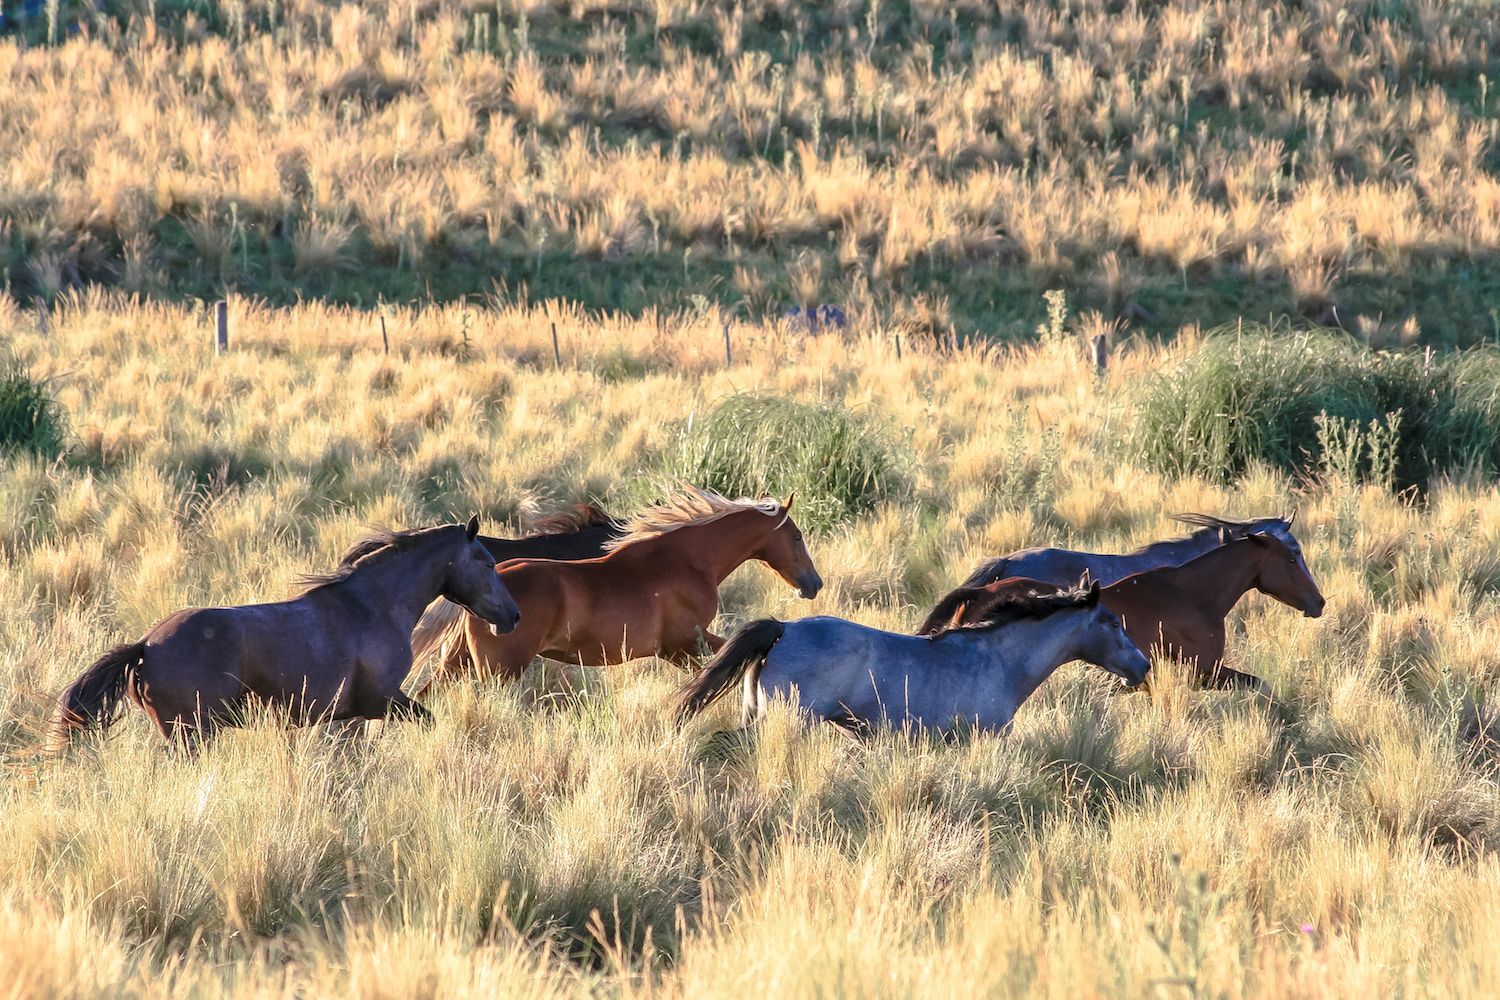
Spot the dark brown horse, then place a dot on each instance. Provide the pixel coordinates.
(655, 593)
(339, 651)
(1065, 567)
(580, 532)
(1177, 611)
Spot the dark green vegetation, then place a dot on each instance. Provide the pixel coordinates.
(933, 164)
(837, 465)
(29, 419)
(1253, 395)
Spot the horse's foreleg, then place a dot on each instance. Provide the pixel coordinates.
(1222, 677)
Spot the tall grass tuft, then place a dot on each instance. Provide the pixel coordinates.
(1253, 395)
(756, 443)
(30, 420)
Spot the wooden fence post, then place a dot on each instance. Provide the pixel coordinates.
(41, 313)
(728, 358)
(556, 353)
(1099, 351)
(221, 327)
(383, 338)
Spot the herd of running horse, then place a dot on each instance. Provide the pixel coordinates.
(585, 588)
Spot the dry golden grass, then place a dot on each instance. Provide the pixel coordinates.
(1310, 156)
(1344, 836)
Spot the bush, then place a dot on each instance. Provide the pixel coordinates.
(755, 443)
(30, 420)
(1256, 396)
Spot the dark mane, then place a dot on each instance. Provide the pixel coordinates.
(1009, 608)
(376, 547)
(566, 522)
(1234, 527)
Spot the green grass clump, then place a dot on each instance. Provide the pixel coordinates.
(30, 420)
(1250, 395)
(755, 443)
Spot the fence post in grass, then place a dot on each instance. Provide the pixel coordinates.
(556, 354)
(728, 358)
(383, 338)
(41, 314)
(898, 345)
(1099, 351)
(221, 327)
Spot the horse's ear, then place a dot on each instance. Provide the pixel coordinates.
(472, 528)
(1093, 597)
(1290, 518)
(958, 615)
(786, 507)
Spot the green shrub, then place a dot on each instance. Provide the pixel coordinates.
(755, 443)
(30, 420)
(1254, 395)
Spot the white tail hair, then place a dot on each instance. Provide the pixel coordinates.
(439, 625)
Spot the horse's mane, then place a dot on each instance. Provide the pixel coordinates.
(1225, 523)
(1009, 608)
(374, 548)
(566, 522)
(683, 508)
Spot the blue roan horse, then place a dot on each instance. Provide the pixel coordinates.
(976, 674)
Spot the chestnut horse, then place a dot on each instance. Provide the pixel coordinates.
(1064, 567)
(655, 593)
(1175, 610)
(580, 532)
(340, 651)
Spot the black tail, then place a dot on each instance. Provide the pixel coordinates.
(745, 649)
(94, 698)
(988, 572)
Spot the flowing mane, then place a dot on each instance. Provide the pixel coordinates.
(683, 508)
(1234, 527)
(374, 548)
(566, 522)
(1008, 608)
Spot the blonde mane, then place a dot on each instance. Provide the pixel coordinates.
(683, 508)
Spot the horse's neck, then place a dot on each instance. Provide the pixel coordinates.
(1220, 577)
(1199, 542)
(405, 584)
(1031, 649)
(719, 547)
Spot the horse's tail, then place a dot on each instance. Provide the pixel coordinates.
(94, 699)
(440, 625)
(988, 572)
(746, 650)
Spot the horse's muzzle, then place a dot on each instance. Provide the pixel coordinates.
(808, 586)
(1314, 611)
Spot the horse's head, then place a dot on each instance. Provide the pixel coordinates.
(1106, 644)
(1284, 575)
(785, 551)
(473, 583)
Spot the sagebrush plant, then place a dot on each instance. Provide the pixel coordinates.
(1250, 394)
(940, 163)
(839, 466)
(565, 836)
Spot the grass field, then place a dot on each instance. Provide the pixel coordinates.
(940, 163)
(564, 837)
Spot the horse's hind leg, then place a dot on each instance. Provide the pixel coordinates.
(1222, 677)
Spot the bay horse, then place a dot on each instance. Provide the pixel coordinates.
(580, 532)
(1177, 611)
(976, 674)
(655, 592)
(1065, 567)
(338, 651)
